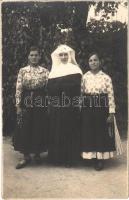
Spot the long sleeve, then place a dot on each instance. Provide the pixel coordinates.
(46, 76)
(110, 95)
(46, 80)
(82, 91)
(82, 85)
(19, 88)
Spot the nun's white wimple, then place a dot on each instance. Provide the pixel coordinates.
(58, 68)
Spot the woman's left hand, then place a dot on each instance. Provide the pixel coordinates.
(110, 118)
(110, 121)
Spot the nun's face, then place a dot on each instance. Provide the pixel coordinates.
(63, 57)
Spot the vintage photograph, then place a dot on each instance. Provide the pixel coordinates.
(64, 99)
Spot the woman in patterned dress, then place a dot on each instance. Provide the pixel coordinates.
(31, 132)
(64, 88)
(98, 109)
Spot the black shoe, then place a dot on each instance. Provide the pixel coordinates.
(99, 165)
(23, 163)
(68, 164)
(37, 159)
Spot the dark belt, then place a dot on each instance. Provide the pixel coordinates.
(95, 100)
(29, 97)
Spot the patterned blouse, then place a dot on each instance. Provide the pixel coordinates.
(97, 84)
(30, 78)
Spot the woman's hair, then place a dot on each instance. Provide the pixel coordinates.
(35, 48)
(99, 57)
(94, 53)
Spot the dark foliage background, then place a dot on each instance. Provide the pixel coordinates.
(27, 24)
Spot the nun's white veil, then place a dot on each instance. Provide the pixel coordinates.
(60, 69)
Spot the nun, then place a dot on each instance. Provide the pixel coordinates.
(64, 88)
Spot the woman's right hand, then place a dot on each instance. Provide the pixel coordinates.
(19, 110)
(19, 116)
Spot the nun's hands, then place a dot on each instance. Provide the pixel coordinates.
(110, 118)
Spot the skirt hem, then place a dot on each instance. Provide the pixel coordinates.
(98, 155)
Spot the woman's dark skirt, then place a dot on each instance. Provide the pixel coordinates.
(64, 119)
(31, 135)
(94, 127)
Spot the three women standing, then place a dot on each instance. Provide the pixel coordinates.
(31, 135)
(91, 132)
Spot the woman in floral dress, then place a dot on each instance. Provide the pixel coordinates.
(31, 132)
(100, 137)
